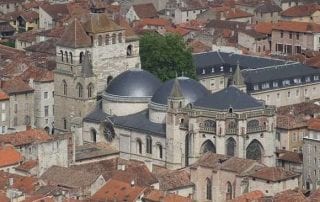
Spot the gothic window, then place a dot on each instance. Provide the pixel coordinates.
(90, 90)
(64, 123)
(71, 58)
(160, 150)
(108, 132)
(79, 90)
(149, 144)
(209, 124)
(139, 146)
(253, 124)
(209, 189)
(129, 50)
(120, 37)
(231, 145)
(232, 124)
(107, 40)
(99, 40)
(66, 54)
(254, 150)
(93, 134)
(65, 87)
(27, 120)
(208, 146)
(61, 53)
(114, 36)
(81, 57)
(229, 191)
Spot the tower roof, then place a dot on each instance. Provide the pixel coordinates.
(99, 23)
(176, 90)
(237, 77)
(74, 36)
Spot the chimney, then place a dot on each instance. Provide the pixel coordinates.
(132, 183)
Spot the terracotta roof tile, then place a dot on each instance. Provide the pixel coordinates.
(28, 165)
(37, 74)
(9, 156)
(170, 180)
(264, 27)
(75, 36)
(3, 96)
(56, 11)
(199, 47)
(274, 174)
(290, 195)
(25, 137)
(3, 197)
(99, 23)
(15, 86)
(30, 16)
(314, 124)
(301, 10)
(315, 196)
(157, 196)
(297, 26)
(236, 13)
(22, 183)
(247, 197)
(154, 22)
(118, 191)
(145, 10)
(290, 156)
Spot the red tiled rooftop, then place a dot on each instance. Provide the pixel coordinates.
(37, 74)
(145, 10)
(156, 195)
(314, 124)
(297, 26)
(3, 96)
(9, 156)
(27, 165)
(264, 28)
(274, 174)
(15, 86)
(22, 183)
(154, 21)
(250, 196)
(118, 191)
(301, 10)
(25, 137)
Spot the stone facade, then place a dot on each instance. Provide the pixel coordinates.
(5, 115)
(182, 15)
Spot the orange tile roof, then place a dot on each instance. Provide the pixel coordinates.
(3, 197)
(179, 30)
(9, 156)
(314, 124)
(156, 195)
(3, 96)
(154, 21)
(297, 26)
(250, 196)
(264, 27)
(118, 191)
(146, 10)
(27, 165)
(301, 10)
(290, 195)
(274, 174)
(22, 183)
(38, 74)
(15, 85)
(25, 137)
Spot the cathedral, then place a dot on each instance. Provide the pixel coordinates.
(170, 124)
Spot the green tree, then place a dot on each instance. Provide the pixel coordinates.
(166, 56)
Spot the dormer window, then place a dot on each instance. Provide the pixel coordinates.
(297, 80)
(286, 82)
(265, 86)
(275, 84)
(203, 71)
(212, 70)
(256, 87)
(221, 68)
(308, 79)
(316, 78)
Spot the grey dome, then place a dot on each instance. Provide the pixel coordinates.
(134, 83)
(191, 90)
(230, 97)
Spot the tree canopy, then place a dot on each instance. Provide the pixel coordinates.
(166, 56)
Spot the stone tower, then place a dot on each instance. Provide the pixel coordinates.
(75, 83)
(174, 119)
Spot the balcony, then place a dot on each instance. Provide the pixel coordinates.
(208, 130)
(256, 129)
(232, 131)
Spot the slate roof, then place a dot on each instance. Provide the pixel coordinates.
(229, 97)
(145, 10)
(9, 156)
(97, 115)
(140, 122)
(75, 36)
(191, 91)
(134, 83)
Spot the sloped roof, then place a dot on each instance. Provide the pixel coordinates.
(268, 7)
(99, 23)
(56, 11)
(15, 85)
(301, 10)
(25, 137)
(264, 27)
(297, 26)
(145, 10)
(75, 36)
(228, 97)
(170, 180)
(274, 174)
(9, 156)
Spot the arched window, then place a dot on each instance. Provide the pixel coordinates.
(254, 150)
(64, 123)
(253, 124)
(208, 146)
(81, 57)
(114, 37)
(61, 53)
(160, 151)
(120, 37)
(231, 145)
(66, 54)
(209, 189)
(65, 87)
(99, 40)
(129, 50)
(109, 79)
(90, 90)
(27, 120)
(93, 134)
(209, 124)
(79, 89)
(232, 124)
(139, 146)
(229, 191)
(149, 145)
(107, 40)
(71, 58)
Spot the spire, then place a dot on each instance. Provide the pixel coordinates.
(237, 78)
(176, 90)
(86, 70)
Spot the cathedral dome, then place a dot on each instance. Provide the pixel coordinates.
(191, 90)
(134, 83)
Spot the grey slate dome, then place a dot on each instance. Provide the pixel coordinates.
(191, 90)
(230, 97)
(134, 83)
